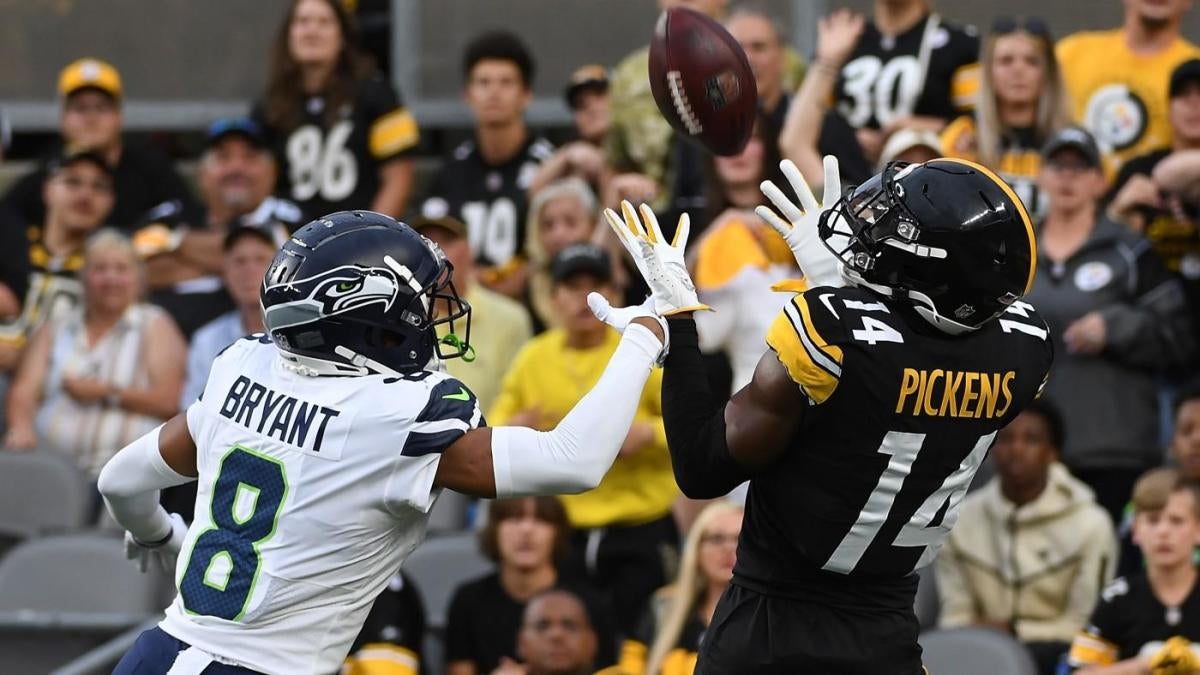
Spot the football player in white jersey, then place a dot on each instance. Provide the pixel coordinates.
(320, 447)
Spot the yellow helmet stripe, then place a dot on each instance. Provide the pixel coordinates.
(1020, 209)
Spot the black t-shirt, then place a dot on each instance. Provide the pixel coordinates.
(484, 620)
(883, 81)
(837, 138)
(327, 167)
(899, 418)
(142, 179)
(489, 199)
(14, 253)
(1130, 620)
(395, 624)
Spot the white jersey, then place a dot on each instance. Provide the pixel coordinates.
(312, 491)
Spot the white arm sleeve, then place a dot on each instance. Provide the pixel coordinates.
(576, 454)
(130, 482)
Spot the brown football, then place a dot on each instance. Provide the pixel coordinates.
(702, 81)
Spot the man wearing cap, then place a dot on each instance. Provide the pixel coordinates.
(1117, 318)
(624, 526)
(78, 192)
(183, 244)
(587, 97)
(1117, 79)
(91, 94)
(500, 326)
(1156, 193)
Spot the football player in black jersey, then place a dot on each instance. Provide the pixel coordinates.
(340, 133)
(885, 384)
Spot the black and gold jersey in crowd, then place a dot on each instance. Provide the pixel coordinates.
(1176, 240)
(899, 417)
(680, 660)
(1019, 163)
(883, 80)
(334, 167)
(54, 288)
(1131, 621)
(390, 640)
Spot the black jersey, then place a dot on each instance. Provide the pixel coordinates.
(489, 199)
(54, 287)
(327, 167)
(883, 80)
(1131, 621)
(391, 638)
(899, 417)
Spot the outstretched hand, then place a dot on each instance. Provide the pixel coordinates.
(798, 225)
(660, 263)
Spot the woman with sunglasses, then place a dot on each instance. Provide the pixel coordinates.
(1022, 101)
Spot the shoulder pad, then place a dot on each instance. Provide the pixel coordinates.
(450, 410)
(806, 336)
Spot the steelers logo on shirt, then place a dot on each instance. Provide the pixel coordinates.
(1116, 116)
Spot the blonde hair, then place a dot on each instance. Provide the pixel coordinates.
(688, 587)
(1052, 113)
(110, 238)
(540, 284)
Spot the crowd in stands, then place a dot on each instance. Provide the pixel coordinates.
(119, 285)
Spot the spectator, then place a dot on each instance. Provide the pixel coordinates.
(1150, 623)
(1031, 550)
(624, 526)
(1154, 193)
(527, 538)
(483, 182)
(1117, 79)
(909, 67)
(340, 133)
(392, 637)
(766, 48)
(248, 253)
(561, 214)
(738, 258)
(913, 145)
(184, 245)
(669, 638)
(499, 325)
(91, 120)
(103, 374)
(587, 97)
(812, 128)
(556, 638)
(1021, 103)
(78, 193)
(1116, 317)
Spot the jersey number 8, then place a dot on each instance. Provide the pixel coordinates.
(225, 562)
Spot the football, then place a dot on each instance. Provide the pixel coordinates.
(702, 81)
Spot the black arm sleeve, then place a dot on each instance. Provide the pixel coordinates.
(695, 420)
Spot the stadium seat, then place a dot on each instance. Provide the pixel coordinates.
(926, 604)
(449, 512)
(975, 651)
(84, 572)
(439, 565)
(41, 492)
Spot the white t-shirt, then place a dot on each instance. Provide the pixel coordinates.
(312, 491)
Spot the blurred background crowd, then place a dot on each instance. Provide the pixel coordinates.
(128, 261)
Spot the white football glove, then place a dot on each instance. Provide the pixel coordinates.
(163, 553)
(661, 263)
(620, 317)
(819, 265)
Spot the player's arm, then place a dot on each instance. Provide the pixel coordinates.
(713, 447)
(130, 481)
(573, 457)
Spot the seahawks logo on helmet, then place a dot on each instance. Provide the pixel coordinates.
(336, 291)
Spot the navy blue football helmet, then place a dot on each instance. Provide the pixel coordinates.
(358, 293)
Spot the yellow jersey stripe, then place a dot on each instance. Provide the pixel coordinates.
(784, 337)
(1020, 210)
(832, 352)
(964, 86)
(633, 658)
(393, 133)
(382, 658)
(1092, 650)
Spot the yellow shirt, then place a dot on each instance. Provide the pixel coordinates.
(500, 326)
(1120, 96)
(550, 377)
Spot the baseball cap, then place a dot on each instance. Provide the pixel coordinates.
(1074, 138)
(448, 223)
(71, 157)
(581, 259)
(235, 126)
(89, 73)
(1184, 74)
(591, 77)
(906, 139)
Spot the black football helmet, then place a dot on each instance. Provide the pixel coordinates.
(357, 293)
(948, 235)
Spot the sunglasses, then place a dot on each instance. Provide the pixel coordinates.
(1034, 26)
